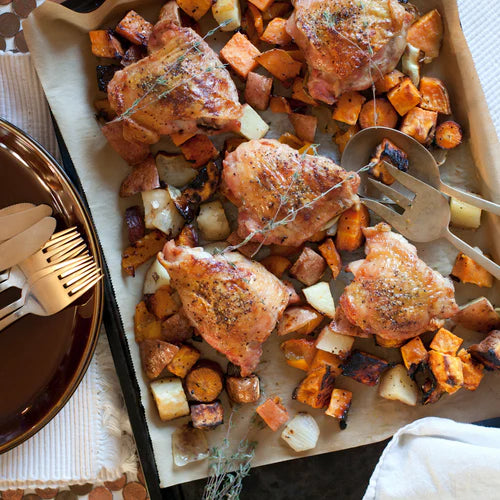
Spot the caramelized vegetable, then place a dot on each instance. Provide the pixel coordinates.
(316, 389)
(300, 94)
(142, 250)
(179, 138)
(378, 112)
(473, 371)
(404, 97)
(426, 34)
(276, 9)
(199, 150)
(449, 135)
(135, 29)
(340, 402)
(155, 356)
(144, 177)
(342, 138)
(104, 44)
(332, 257)
(447, 371)
(258, 90)
(293, 295)
(299, 353)
(188, 236)
(420, 124)
(280, 64)
(304, 126)
(291, 140)
(195, 8)
(323, 358)
(248, 249)
(276, 264)
(164, 302)
(135, 224)
(104, 110)
(488, 351)
(299, 319)
(275, 32)
(146, 325)
(349, 233)
(309, 267)
(478, 315)
(204, 381)
(207, 416)
(176, 328)
(414, 354)
(279, 104)
(389, 152)
(240, 54)
(243, 390)
(389, 81)
(273, 413)
(434, 95)
(468, 271)
(231, 143)
(445, 342)
(365, 368)
(256, 19)
(388, 343)
(348, 107)
(184, 360)
(105, 73)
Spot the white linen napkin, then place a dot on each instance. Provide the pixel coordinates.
(438, 459)
(90, 439)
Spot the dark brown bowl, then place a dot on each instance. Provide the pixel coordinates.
(43, 359)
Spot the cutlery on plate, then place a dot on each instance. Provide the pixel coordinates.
(13, 209)
(423, 165)
(26, 243)
(426, 215)
(15, 223)
(55, 291)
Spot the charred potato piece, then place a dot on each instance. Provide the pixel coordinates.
(204, 382)
(155, 356)
(105, 73)
(447, 370)
(316, 389)
(365, 368)
(142, 250)
(207, 416)
(243, 390)
(184, 360)
(478, 315)
(135, 224)
(144, 177)
(488, 351)
(340, 402)
(323, 358)
(176, 328)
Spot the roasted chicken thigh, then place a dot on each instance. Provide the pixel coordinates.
(349, 44)
(234, 303)
(395, 294)
(284, 197)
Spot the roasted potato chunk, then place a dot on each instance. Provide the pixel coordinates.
(243, 390)
(207, 416)
(488, 351)
(176, 328)
(478, 315)
(144, 177)
(365, 368)
(135, 224)
(155, 356)
(309, 267)
(170, 398)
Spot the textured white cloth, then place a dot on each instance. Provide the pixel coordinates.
(438, 459)
(90, 439)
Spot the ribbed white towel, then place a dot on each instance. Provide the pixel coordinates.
(90, 439)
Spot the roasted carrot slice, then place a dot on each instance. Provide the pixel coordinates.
(448, 135)
(378, 112)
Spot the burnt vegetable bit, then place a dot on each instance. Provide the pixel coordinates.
(364, 367)
(105, 73)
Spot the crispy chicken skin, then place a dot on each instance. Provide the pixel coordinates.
(269, 181)
(182, 85)
(348, 44)
(234, 303)
(395, 294)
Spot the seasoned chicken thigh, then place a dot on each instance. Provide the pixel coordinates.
(234, 303)
(284, 197)
(349, 44)
(180, 86)
(395, 294)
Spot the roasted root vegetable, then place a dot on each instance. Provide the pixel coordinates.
(473, 370)
(207, 416)
(488, 351)
(299, 353)
(331, 341)
(348, 107)
(410, 63)
(240, 53)
(350, 228)
(105, 73)
(291, 140)
(273, 413)
(160, 212)
(181, 137)
(340, 402)
(397, 385)
(142, 250)
(447, 371)
(464, 215)
(227, 13)
(389, 152)
(414, 354)
(276, 264)
(301, 433)
(316, 389)
(248, 249)
(195, 8)
(134, 28)
(170, 398)
(389, 81)
(262, 4)
(174, 169)
(135, 224)
(156, 277)
(426, 34)
(478, 315)
(176, 328)
(309, 267)
(280, 64)
(468, 271)
(420, 124)
(275, 32)
(132, 152)
(189, 445)
(164, 302)
(320, 297)
(434, 95)
(185, 358)
(276, 9)
(252, 126)
(146, 324)
(199, 150)
(243, 390)
(431, 393)
(323, 358)
(258, 90)
(404, 97)
(212, 221)
(155, 356)
(449, 135)
(133, 54)
(279, 104)
(332, 257)
(364, 367)
(294, 297)
(378, 112)
(446, 342)
(304, 126)
(300, 94)
(104, 44)
(388, 343)
(144, 177)
(188, 237)
(204, 382)
(256, 21)
(231, 143)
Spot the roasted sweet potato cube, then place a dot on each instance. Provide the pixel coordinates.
(104, 44)
(434, 95)
(389, 152)
(447, 371)
(146, 325)
(389, 81)
(273, 413)
(184, 360)
(309, 267)
(332, 257)
(293, 295)
(240, 54)
(276, 264)
(257, 23)
(449, 135)
(468, 271)
(275, 32)
(446, 342)
(142, 250)
(199, 150)
(473, 370)
(207, 415)
(279, 104)
(388, 343)
(276, 9)
(155, 356)
(291, 140)
(280, 64)
(316, 389)
(478, 315)
(164, 302)
(299, 92)
(342, 138)
(323, 358)
(195, 8)
(176, 328)
(488, 351)
(404, 97)
(420, 124)
(243, 390)
(364, 367)
(262, 4)
(304, 126)
(204, 382)
(248, 249)
(258, 90)
(179, 138)
(299, 353)
(350, 228)
(340, 402)
(143, 177)
(348, 107)
(135, 28)
(426, 34)
(414, 353)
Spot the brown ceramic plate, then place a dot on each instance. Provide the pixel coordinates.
(43, 359)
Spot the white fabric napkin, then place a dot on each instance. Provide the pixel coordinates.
(90, 439)
(438, 459)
